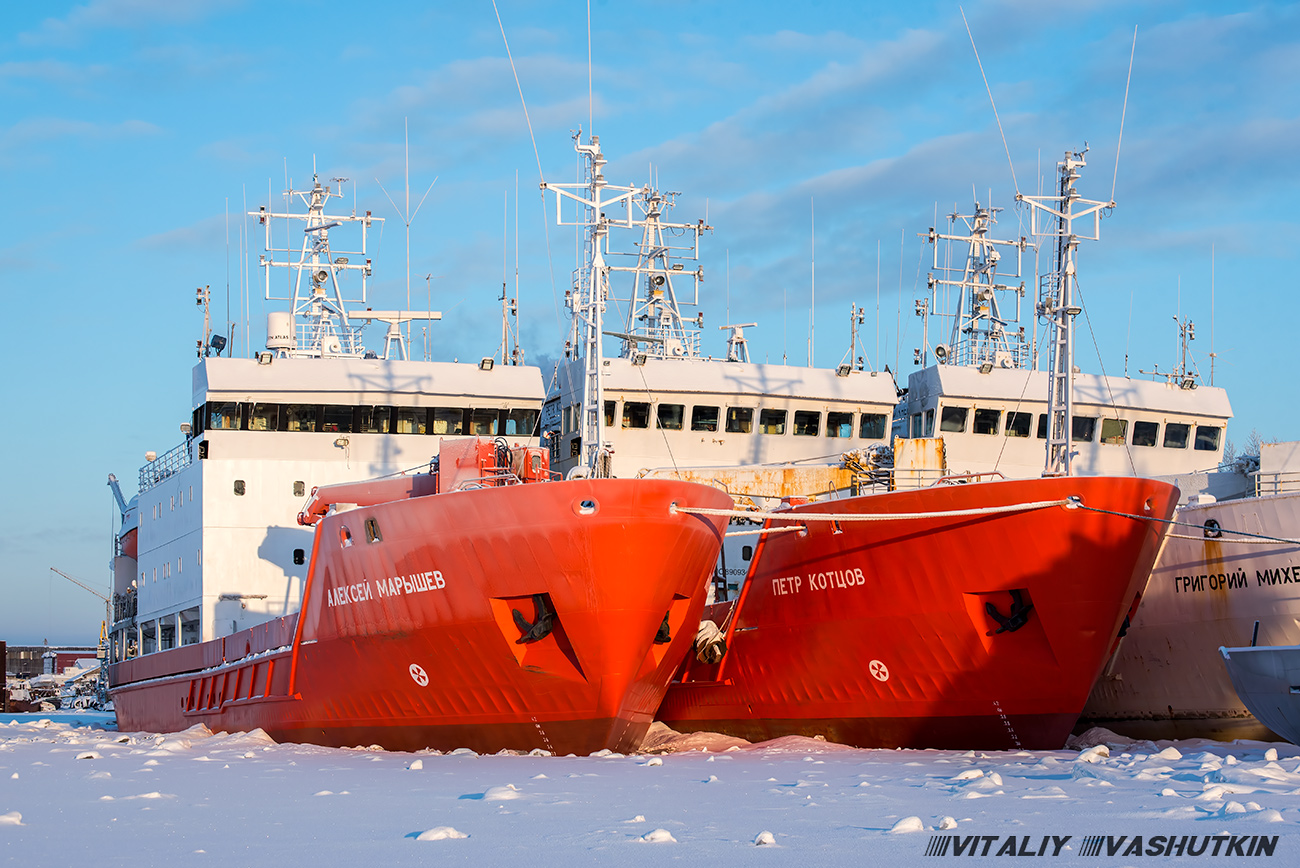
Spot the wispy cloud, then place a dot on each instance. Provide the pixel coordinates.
(121, 14)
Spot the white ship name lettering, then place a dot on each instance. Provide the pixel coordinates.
(845, 578)
(1214, 581)
(416, 583)
(348, 594)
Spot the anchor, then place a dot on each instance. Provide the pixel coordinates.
(664, 636)
(539, 629)
(1015, 618)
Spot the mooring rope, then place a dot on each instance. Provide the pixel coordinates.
(1220, 530)
(893, 516)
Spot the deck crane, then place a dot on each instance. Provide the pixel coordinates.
(101, 684)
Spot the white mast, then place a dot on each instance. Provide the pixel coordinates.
(1056, 301)
(654, 313)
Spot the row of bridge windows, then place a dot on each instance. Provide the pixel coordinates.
(1083, 429)
(346, 419)
(738, 420)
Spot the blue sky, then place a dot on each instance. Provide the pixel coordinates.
(129, 128)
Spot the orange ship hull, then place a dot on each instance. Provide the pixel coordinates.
(408, 636)
(879, 633)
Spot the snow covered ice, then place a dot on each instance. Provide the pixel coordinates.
(74, 791)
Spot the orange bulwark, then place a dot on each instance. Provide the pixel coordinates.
(984, 630)
(547, 615)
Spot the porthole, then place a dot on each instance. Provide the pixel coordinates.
(299, 488)
(239, 487)
(299, 557)
(372, 531)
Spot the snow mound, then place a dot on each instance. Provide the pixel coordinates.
(1094, 754)
(660, 738)
(416, 765)
(13, 818)
(90, 754)
(654, 761)
(947, 823)
(658, 836)
(969, 775)
(906, 825)
(1169, 753)
(440, 833)
(502, 794)
(800, 744)
(765, 839)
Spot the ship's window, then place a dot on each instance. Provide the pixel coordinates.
(264, 417)
(1207, 438)
(1083, 429)
(449, 420)
(953, 419)
(412, 420)
(179, 566)
(336, 420)
(747, 552)
(484, 423)
(299, 557)
(771, 421)
(1042, 426)
(374, 420)
(1176, 435)
(914, 425)
(300, 417)
(636, 414)
(1018, 424)
(1146, 433)
(566, 424)
(1114, 431)
(839, 424)
(871, 426)
(670, 416)
(609, 413)
(239, 487)
(806, 423)
(173, 503)
(986, 421)
(345, 537)
(575, 447)
(929, 423)
(299, 488)
(372, 531)
(704, 418)
(740, 420)
(203, 450)
(223, 415)
(523, 423)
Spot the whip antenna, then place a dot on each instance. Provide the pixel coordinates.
(1122, 112)
(991, 102)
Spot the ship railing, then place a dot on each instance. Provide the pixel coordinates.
(1276, 482)
(165, 465)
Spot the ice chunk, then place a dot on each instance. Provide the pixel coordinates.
(947, 823)
(1094, 754)
(416, 765)
(502, 794)
(765, 839)
(13, 818)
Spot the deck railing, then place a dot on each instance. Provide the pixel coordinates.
(165, 465)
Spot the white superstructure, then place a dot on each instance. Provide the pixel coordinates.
(218, 546)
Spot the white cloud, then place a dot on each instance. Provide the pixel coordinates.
(123, 14)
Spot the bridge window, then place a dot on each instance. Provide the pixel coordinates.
(523, 423)
(636, 414)
(871, 426)
(300, 417)
(740, 420)
(451, 420)
(704, 418)
(264, 417)
(483, 423)
(807, 423)
(412, 420)
(986, 421)
(839, 424)
(223, 415)
(1176, 435)
(1042, 426)
(670, 417)
(1018, 424)
(1114, 431)
(1083, 429)
(1146, 433)
(374, 420)
(609, 414)
(953, 419)
(336, 420)
(771, 421)
(1207, 438)
(929, 423)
